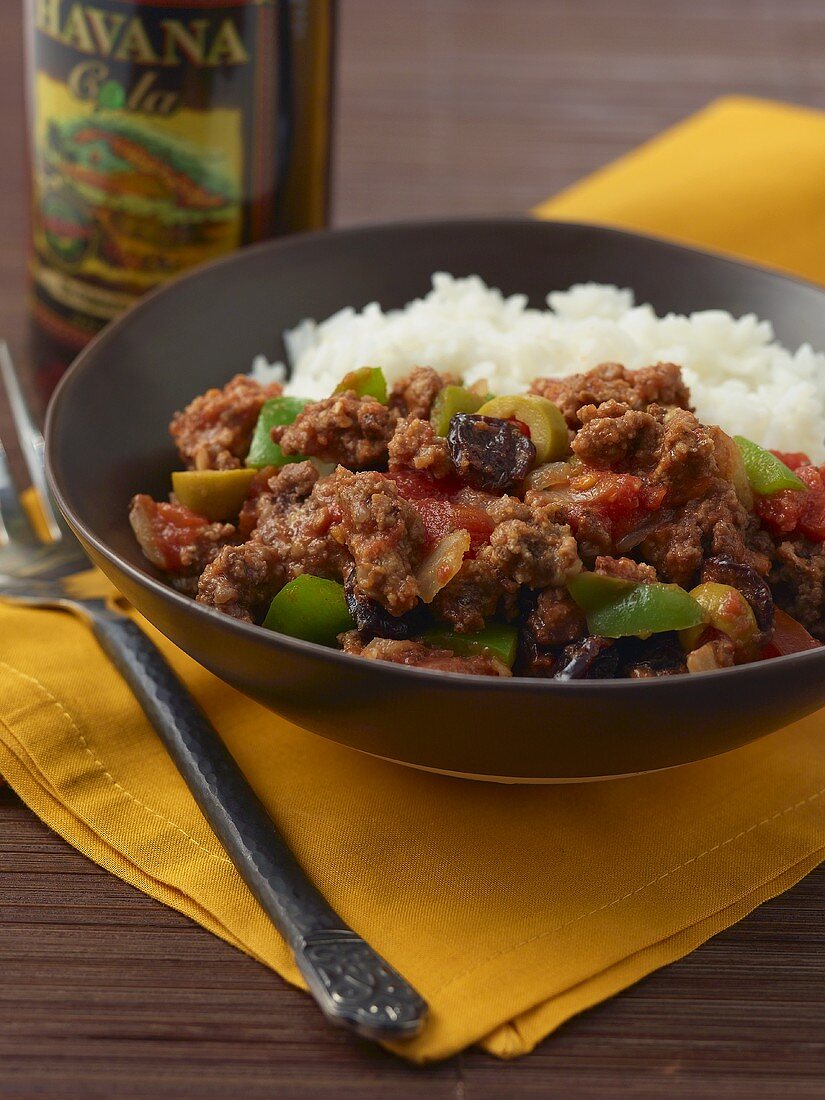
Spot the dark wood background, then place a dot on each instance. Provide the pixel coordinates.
(446, 107)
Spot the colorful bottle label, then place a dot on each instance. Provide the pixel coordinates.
(156, 134)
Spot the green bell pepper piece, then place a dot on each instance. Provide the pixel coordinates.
(275, 412)
(366, 381)
(767, 474)
(592, 591)
(452, 400)
(616, 608)
(310, 608)
(496, 639)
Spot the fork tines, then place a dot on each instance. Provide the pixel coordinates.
(15, 526)
(32, 448)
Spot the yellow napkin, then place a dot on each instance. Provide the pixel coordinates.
(744, 176)
(510, 908)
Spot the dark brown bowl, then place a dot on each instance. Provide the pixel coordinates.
(107, 439)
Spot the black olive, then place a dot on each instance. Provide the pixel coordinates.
(534, 659)
(374, 621)
(747, 581)
(489, 453)
(659, 655)
(594, 658)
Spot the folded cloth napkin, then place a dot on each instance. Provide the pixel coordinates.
(510, 908)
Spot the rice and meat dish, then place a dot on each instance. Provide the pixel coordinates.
(595, 526)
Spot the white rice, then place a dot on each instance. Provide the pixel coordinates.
(740, 377)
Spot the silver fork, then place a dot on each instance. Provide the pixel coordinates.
(352, 984)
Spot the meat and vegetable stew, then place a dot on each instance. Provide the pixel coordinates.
(592, 528)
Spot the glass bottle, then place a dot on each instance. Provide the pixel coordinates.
(163, 135)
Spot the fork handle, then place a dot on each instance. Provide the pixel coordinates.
(353, 985)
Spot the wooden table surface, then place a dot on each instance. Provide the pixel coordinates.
(446, 107)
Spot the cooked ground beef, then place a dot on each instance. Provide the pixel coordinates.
(413, 395)
(661, 384)
(798, 580)
(526, 547)
(421, 656)
(214, 431)
(274, 491)
(594, 532)
(614, 437)
(693, 510)
(534, 550)
(686, 465)
(474, 594)
(625, 569)
(669, 447)
(415, 446)
(383, 533)
(716, 525)
(347, 429)
(242, 579)
(556, 620)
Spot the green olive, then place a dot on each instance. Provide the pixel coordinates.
(213, 494)
(727, 611)
(448, 402)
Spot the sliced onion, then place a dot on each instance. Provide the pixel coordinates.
(548, 475)
(499, 665)
(441, 564)
(640, 533)
(704, 659)
(474, 498)
(141, 514)
(731, 464)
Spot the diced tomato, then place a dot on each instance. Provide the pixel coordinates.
(789, 636)
(416, 485)
(653, 497)
(174, 528)
(442, 516)
(476, 521)
(812, 521)
(792, 459)
(623, 500)
(781, 512)
(437, 516)
(792, 511)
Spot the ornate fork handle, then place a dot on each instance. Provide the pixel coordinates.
(353, 985)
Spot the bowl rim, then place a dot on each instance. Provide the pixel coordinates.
(274, 640)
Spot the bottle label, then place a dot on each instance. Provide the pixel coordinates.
(154, 144)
